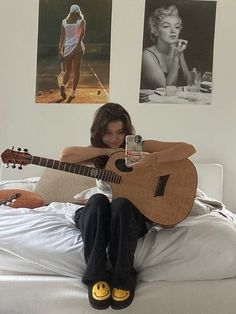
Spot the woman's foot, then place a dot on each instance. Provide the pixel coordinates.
(121, 299)
(70, 99)
(99, 295)
(63, 94)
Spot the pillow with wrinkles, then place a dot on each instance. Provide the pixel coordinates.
(60, 186)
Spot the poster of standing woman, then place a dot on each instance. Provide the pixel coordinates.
(73, 55)
(177, 56)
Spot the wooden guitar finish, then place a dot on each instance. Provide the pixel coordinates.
(164, 194)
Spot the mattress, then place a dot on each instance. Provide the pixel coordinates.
(61, 295)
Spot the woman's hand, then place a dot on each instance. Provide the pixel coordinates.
(60, 56)
(142, 159)
(179, 47)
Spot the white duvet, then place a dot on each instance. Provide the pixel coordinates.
(45, 241)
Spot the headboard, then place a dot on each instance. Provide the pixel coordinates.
(210, 177)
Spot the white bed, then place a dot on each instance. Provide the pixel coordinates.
(189, 269)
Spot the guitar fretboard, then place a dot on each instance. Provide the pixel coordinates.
(103, 174)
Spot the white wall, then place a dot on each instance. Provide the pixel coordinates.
(46, 129)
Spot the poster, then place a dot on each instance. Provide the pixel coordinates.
(177, 56)
(85, 69)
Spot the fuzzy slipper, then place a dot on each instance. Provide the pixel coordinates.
(99, 295)
(121, 299)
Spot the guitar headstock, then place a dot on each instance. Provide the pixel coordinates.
(10, 199)
(11, 156)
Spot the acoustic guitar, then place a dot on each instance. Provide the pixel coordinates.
(164, 194)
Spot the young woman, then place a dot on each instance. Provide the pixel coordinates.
(110, 230)
(71, 48)
(163, 64)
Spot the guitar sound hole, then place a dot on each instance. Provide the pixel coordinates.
(120, 165)
(161, 185)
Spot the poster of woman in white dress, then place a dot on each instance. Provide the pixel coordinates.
(73, 53)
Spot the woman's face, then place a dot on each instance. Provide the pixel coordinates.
(169, 29)
(114, 134)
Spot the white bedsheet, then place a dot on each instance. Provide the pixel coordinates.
(45, 241)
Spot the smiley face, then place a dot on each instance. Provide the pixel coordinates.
(101, 291)
(120, 295)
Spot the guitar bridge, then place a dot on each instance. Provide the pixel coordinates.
(161, 185)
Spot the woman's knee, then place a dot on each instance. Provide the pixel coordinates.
(99, 198)
(121, 206)
(98, 203)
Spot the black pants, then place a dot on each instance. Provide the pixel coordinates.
(116, 226)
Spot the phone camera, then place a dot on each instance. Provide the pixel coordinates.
(138, 139)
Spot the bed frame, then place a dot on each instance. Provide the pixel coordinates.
(60, 295)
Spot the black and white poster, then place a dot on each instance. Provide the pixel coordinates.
(177, 56)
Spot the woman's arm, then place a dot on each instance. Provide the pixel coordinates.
(82, 31)
(152, 74)
(155, 152)
(77, 154)
(169, 151)
(172, 76)
(178, 61)
(62, 39)
(184, 68)
(82, 34)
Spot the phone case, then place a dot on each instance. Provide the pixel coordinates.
(133, 143)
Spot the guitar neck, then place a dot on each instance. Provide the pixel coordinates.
(103, 174)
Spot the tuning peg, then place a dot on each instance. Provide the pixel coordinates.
(6, 165)
(12, 148)
(26, 150)
(20, 167)
(13, 166)
(19, 149)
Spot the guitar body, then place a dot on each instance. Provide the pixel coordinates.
(164, 194)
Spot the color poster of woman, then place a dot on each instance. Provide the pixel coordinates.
(73, 56)
(177, 56)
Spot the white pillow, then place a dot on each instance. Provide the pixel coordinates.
(27, 184)
(102, 187)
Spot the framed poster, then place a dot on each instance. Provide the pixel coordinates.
(73, 55)
(177, 56)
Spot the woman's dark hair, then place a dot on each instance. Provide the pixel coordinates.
(105, 114)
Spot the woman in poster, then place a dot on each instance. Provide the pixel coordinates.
(71, 48)
(163, 64)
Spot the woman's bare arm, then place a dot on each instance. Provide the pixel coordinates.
(62, 39)
(79, 154)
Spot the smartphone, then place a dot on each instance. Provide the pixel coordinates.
(133, 143)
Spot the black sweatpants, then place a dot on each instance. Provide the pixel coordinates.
(116, 226)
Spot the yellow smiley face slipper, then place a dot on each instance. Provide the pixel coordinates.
(121, 298)
(99, 295)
